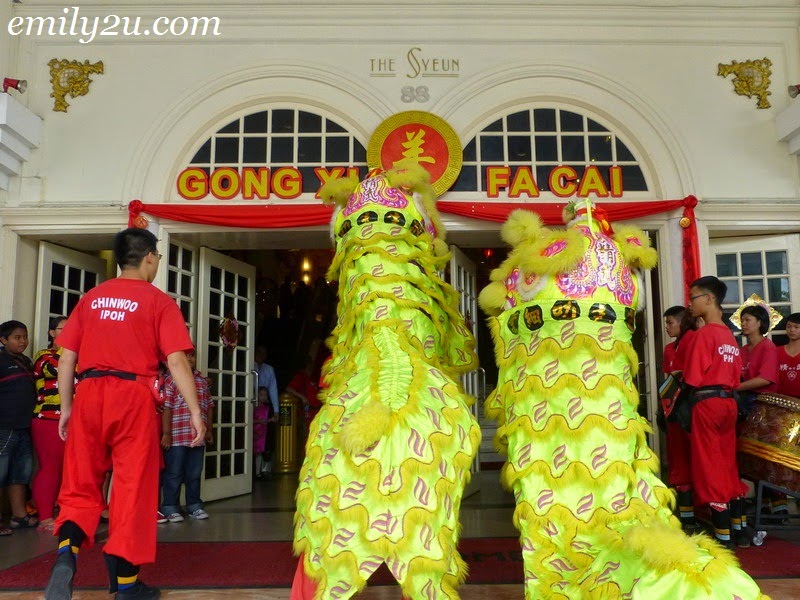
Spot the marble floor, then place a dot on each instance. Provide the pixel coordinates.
(266, 515)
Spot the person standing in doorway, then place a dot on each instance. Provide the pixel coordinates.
(118, 332)
(47, 444)
(183, 462)
(266, 379)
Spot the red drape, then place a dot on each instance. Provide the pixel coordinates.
(271, 216)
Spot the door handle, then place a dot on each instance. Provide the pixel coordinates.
(254, 399)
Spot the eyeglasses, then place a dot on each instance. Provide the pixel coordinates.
(693, 298)
(156, 254)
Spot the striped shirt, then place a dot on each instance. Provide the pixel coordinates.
(45, 370)
(181, 418)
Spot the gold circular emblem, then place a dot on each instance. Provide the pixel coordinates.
(685, 222)
(421, 137)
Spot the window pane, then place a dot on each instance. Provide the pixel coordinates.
(74, 278)
(751, 263)
(492, 148)
(337, 149)
(309, 123)
(544, 119)
(203, 155)
(255, 150)
(282, 121)
(633, 179)
(332, 127)
(726, 265)
(496, 126)
(600, 148)
(571, 121)
(89, 280)
(623, 154)
(753, 286)
(256, 123)
(359, 153)
(595, 126)
(519, 148)
(572, 148)
(546, 148)
(732, 295)
(172, 282)
(467, 180)
(309, 149)
(469, 151)
(226, 150)
(777, 263)
(520, 121)
(778, 289)
(232, 127)
(282, 150)
(57, 275)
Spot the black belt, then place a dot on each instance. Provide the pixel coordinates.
(95, 373)
(704, 393)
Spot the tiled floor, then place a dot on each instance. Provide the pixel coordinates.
(266, 515)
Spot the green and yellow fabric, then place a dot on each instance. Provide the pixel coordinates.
(389, 454)
(595, 522)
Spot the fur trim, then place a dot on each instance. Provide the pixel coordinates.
(521, 225)
(492, 298)
(338, 190)
(366, 427)
(635, 247)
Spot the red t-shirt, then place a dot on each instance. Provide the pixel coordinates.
(670, 350)
(788, 373)
(761, 361)
(125, 325)
(682, 347)
(712, 358)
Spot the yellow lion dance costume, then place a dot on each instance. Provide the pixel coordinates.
(389, 454)
(595, 521)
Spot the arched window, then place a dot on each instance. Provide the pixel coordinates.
(541, 138)
(282, 137)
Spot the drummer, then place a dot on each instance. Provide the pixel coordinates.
(788, 385)
(759, 355)
(789, 359)
(760, 373)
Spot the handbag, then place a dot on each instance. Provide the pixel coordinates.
(669, 393)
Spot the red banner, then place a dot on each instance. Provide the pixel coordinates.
(278, 216)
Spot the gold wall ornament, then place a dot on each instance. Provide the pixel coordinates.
(751, 78)
(70, 78)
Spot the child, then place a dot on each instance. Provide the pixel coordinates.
(681, 326)
(48, 445)
(183, 462)
(759, 355)
(789, 359)
(713, 367)
(262, 416)
(17, 399)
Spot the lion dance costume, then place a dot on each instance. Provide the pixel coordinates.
(389, 454)
(595, 522)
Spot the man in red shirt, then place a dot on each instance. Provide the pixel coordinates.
(713, 367)
(118, 332)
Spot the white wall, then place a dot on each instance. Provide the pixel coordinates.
(650, 71)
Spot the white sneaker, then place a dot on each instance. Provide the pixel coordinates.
(161, 517)
(175, 517)
(199, 514)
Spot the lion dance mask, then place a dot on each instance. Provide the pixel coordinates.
(595, 522)
(389, 454)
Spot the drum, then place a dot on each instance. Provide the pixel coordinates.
(768, 441)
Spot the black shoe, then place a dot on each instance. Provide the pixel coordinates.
(60, 585)
(139, 591)
(742, 538)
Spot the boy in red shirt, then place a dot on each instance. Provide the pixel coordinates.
(118, 332)
(713, 367)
